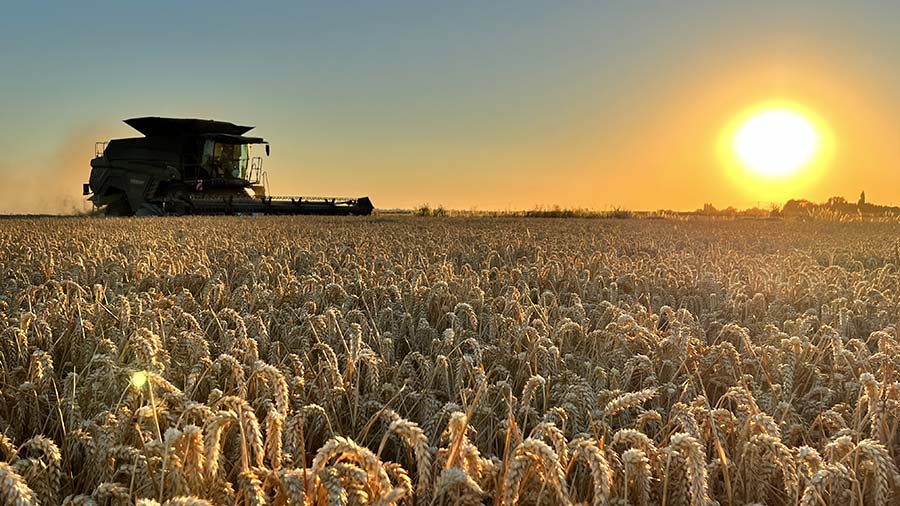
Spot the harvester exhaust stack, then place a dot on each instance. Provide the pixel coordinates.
(193, 166)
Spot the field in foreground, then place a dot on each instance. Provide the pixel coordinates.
(448, 361)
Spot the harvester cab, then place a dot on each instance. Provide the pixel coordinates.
(192, 166)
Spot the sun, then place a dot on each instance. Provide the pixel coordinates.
(776, 149)
(776, 141)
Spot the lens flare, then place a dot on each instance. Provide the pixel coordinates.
(139, 379)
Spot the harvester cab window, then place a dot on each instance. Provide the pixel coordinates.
(225, 160)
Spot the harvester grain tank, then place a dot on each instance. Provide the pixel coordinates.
(194, 166)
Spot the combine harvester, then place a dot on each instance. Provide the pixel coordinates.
(193, 166)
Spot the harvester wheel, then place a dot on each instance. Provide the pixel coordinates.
(119, 207)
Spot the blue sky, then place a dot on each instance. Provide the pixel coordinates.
(468, 104)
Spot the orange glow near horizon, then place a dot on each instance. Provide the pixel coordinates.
(672, 150)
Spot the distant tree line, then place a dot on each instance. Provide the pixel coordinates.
(834, 207)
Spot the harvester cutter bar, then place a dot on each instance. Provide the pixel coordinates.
(228, 204)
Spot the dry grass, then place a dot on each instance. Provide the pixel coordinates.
(457, 361)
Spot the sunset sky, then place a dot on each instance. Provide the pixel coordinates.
(485, 105)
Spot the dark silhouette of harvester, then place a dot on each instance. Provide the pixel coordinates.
(194, 166)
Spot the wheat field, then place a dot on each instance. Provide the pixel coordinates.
(442, 361)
